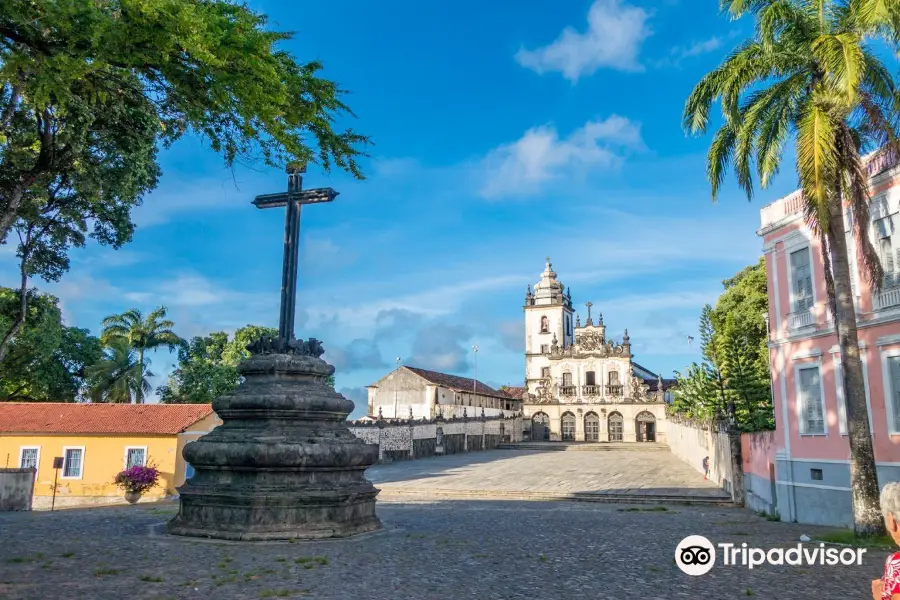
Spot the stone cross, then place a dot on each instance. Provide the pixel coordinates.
(589, 305)
(293, 200)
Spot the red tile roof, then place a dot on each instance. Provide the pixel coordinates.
(515, 391)
(57, 417)
(458, 384)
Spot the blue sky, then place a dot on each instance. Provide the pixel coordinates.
(504, 132)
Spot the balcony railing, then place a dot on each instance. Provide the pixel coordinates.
(568, 390)
(590, 390)
(888, 298)
(615, 390)
(803, 318)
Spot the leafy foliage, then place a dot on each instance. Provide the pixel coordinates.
(207, 366)
(90, 90)
(119, 377)
(734, 373)
(47, 360)
(141, 334)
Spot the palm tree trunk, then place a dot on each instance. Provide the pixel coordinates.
(864, 490)
(139, 392)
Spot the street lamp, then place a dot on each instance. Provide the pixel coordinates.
(475, 379)
(396, 408)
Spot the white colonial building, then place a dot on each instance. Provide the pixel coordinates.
(411, 393)
(580, 385)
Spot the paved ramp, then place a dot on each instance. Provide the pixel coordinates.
(636, 474)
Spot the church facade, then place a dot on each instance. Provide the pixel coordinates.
(579, 384)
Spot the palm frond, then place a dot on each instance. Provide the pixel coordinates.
(816, 160)
(842, 58)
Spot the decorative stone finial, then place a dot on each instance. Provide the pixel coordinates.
(577, 320)
(410, 413)
(380, 416)
(625, 338)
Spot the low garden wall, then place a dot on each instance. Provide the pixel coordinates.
(16, 489)
(418, 438)
(711, 443)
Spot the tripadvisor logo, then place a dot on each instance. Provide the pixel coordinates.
(696, 555)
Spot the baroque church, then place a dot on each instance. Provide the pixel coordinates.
(581, 385)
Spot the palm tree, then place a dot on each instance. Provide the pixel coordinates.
(118, 377)
(809, 75)
(141, 334)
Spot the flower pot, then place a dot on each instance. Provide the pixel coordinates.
(132, 497)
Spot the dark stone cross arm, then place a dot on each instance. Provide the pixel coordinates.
(293, 199)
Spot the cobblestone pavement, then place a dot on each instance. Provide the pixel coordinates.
(440, 551)
(622, 470)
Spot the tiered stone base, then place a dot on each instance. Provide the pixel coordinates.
(283, 464)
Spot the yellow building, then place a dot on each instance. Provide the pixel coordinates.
(97, 441)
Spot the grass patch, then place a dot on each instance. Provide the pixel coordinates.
(848, 538)
(750, 592)
(763, 514)
(275, 593)
(311, 562)
(653, 568)
(47, 565)
(18, 560)
(739, 533)
(225, 580)
(641, 509)
(68, 554)
(542, 557)
(416, 536)
(480, 555)
(280, 559)
(151, 578)
(106, 572)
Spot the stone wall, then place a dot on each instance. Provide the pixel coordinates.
(16, 489)
(406, 440)
(695, 442)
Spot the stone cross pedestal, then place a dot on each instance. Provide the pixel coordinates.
(283, 464)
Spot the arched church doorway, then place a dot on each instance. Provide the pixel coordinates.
(568, 427)
(645, 427)
(540, 427)
(616, 425)
(591, 427)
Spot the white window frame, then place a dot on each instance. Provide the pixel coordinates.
(839, 391)
(37, 464)
(65, 450)
(801, 417)
(127, 448)
(886, 354)
(792, 302)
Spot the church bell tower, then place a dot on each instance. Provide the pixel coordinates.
(549, 321)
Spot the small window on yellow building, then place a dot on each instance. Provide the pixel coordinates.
(135, 456)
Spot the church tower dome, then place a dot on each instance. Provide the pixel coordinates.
(549, 319)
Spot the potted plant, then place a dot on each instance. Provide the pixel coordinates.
(136, 480)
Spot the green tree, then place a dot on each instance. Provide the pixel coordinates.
(119, 377)
(89, 90)
(47, 361)
(809, 74)
(700, 392)
(207, 366)
(141, 334)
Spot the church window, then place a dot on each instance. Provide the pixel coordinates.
(613, 378)
(545, 325)
(567, 379)
(545, 348)
(545, 372)
(589, 378)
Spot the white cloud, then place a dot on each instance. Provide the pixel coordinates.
(613, 39)
(679, 53)
(540, 156)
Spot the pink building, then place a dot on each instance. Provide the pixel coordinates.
(810, 458)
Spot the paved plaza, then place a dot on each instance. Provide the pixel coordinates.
(429, 549)
(646, 470)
